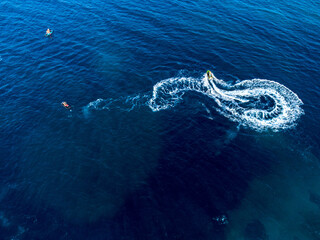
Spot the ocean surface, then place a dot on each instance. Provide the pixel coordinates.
(152, 147)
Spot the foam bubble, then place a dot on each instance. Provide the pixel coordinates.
(222, 220)
(258, 103)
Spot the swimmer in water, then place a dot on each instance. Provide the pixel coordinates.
(49, 32)
(66, 105)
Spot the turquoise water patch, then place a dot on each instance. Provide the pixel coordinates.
(283, 204)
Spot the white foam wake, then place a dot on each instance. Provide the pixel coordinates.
(125, 104)
(258, 103)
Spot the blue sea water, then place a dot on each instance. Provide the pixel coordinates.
(153, 148)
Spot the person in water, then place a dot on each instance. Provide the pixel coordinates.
(66, 105)
(209, 74)
(48, 32)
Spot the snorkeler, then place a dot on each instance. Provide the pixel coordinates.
(48, 32)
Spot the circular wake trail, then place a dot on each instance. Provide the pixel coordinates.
(258, 103)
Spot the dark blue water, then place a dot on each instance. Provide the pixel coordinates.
(152, 149)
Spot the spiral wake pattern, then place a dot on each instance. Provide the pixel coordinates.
(258, 103)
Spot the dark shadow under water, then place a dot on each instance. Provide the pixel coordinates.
(200, 174)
